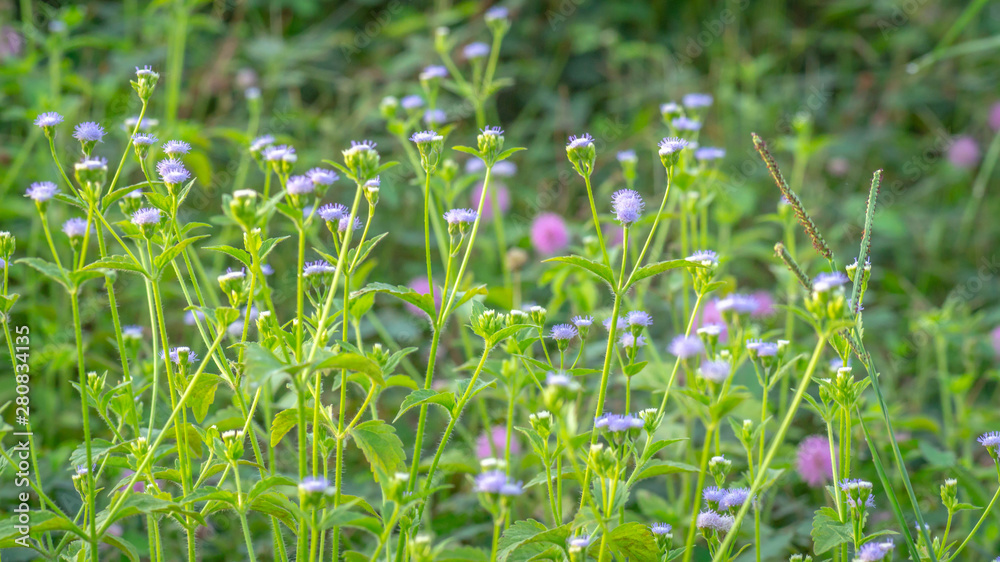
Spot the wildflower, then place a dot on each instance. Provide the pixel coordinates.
(319, 267)
(582, 152)
(313, 484)
(579, 542)
(362, 159)
(345, 222)
(412, 102)
(630, 342)
(460, 219)
(627, 206)
(435, 117)
(333, 212)
(964, 152)
(685, 347)
(814, 464)
(713, 494)
(496, 13)
(490, 143)
(48, 120)
(715, 371)
(133, 124)
(549, 234)
(563, 332)
(299, 185)
(582, 321)
(871, 552)
(734, 498)
(991, 440)
(493, 482)
(704, 257)
(669, 110)
(670, 148)
(693, 101)
(686, 124)
(627, 156)
(259, 144)
(146, 218)
(41, 191)
(75, 227)
(710, 153)
(477, 50)
(712, 521)
(495, 441)
(433, 72)
(607, 322)
(639, 319)
(89, 132)
(758, 348)
(541, 422)
(827, 281)
(661, 528)
(281, 158)
(858, 492)
(181, 356)
(145, 82)
(173, 148)
(172, 172)
(561, 380)
(618, 423)
(738, 303)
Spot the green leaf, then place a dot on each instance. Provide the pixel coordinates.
(127, 548)
(426, 396)
(506, 332)
(118, 263)
(50, 270)
(422, 301)
(203, 395)
(506, 154)
(261, 363)
(283, 422)
(353, 362)
(268, 245)
(242, 255)
(468, 150)
(172, 252)
(357, 256)
(659, 467)
(602, 271)
(7, 302)
(632, 541)
(144, 504)
(383, 449)
(828, 532)
(658, 268)
(516, 536)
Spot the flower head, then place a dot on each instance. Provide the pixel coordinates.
(563, 332)
(710, 153)
(826, 281)
(299, 185)
(182, 354)
(639, 318)
(580, 141)
(991, 440)
(579, 542)
(871, 552)
(713, 494)
(686, 124)
(631, 341)
(738, 303)
(712, 521)
(345, 222)
(411, 102)
(627, 156)
(146, 216)
(435, 117)
(476, 50)
(618, 423)
(172, 171)
(425, 136)
(460, 216)
(627, 206)
(813, 462)
(697, 100)
(144, 139)
(48, 119)
(433, 71)
(174, 148)
(762, 348)
(333, 212)
(670, 145)
(280, 153)
(313, 484)
(75, 227)
(320, 267)
(582, 321)
(715, 371)
(41, 191)
(132, 332)
(322, 176)
(704, 257)
(661, 528)
(89, 132)
(686, 347)
(734, 498)
(261, 143)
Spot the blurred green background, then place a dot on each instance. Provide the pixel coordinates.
(838, 88)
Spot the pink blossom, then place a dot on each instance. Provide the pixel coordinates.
(814, 463)
(499, 437)
(497, 190)
(994, 118)
(420, 285)
(765, 304)
(964, 152)
(549, 234)
(995, 337)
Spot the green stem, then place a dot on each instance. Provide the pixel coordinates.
(696, 503)
(978, 523)
(81, 371)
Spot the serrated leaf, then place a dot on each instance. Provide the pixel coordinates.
(383, 449)
(516, 536)
(426, 396)
(353, 362)
(7, 302)
(242, 255)
(468, 150)
(600, 270)
(405, 294)
(50, 270)
(203, 395)
(172, 252)
(634, 542)
(117, 263)
(828, 532)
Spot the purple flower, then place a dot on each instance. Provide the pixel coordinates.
(670, 145)
(41, 191)
(697, 100)
(630, 341)
(177, 353)
(627, 206)
(433, 71)
(582, 321)
(686, 347)
(686, 124)
(738, 303)
(342, 225)
(48, 119)
(174, 148)
(476, 50)
(320, 267)
(813, 462)
(704, 257)
(712, 521)
(496, 13)
(172, 171)
(495, 440)
(710, 153)
(639, 318)
(990, 440)
(607, 322)
(425, 136)
(146, 215)
(826, 281)
(435, 117)
(260, 143)
(618, 423)
(964, 152)
(491, 482)
(581, 541)
(411, 102)
(491, 131)
(871, 552)
(661, 528)
(713, 494)
(460, 216)
(497, 190)
(563, 332)
(549, 234)
(669, 108)
(89, 132)
(332, 212)
(144, 139)
(75, 227)
(762, 348)
(561, 380)
(580, 141)
(314, 484)
(281, 153)
(132, 332)
(322, 176)
(627, 156)
(715, 371)
(735, 497)
(299, 185)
